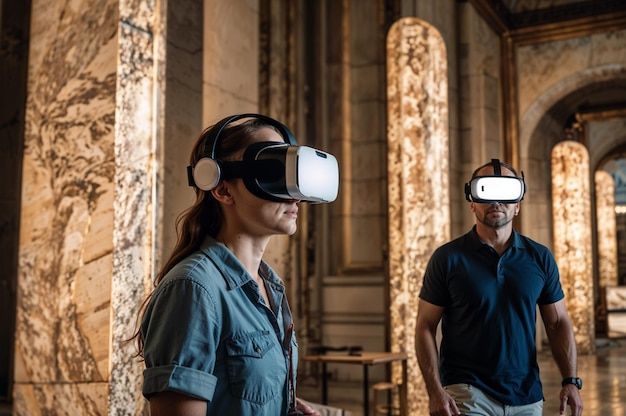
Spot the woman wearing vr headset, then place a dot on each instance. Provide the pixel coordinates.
(486, 286)
(217, 334)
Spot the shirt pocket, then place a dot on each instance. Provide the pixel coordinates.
(255, 366)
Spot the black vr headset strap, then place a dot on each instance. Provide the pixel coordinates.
(211, 145)
(190, 180)
(253, 172)
(264, 170)
(497, 170)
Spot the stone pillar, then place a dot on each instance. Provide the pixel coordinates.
(606, 229)
(419, 201)
(571, 216)
(606, 246)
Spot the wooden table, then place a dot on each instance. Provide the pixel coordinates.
(365, 359)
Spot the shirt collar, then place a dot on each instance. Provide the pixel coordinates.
(231, 268)
(473, 241)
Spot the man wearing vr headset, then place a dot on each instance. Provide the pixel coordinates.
(217, 334)
(484, 286)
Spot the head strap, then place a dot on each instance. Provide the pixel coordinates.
(497, 170)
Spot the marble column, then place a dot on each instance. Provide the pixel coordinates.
(419, 201)
(606, 229)
(571, 217)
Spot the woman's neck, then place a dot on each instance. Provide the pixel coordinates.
(249, 251)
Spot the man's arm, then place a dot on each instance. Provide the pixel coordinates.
(563, 346)
(428, 317)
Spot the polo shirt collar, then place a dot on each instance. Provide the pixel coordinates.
(473, 241)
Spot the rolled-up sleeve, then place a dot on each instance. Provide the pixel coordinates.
(189, 381)
(180, 337)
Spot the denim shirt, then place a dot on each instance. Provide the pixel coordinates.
(209, 334)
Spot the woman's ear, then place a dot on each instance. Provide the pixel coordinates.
(222, 194)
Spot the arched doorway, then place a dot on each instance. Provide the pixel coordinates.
(564, 112)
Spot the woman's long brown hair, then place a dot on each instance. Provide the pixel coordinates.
(204, 217)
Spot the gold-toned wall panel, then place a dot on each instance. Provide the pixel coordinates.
(571, 215)
(419, 208)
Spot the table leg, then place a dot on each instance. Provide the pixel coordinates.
(404, 405)
(324, 384)
(366, 391)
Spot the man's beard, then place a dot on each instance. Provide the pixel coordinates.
(495, 223)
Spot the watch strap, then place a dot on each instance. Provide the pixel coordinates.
(572, 380)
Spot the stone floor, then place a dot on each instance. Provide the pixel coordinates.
(603, 374)
(604, 380)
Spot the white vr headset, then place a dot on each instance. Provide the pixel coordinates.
(496, 188)
(271, 170)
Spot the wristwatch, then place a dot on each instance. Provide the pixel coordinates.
(577, 381)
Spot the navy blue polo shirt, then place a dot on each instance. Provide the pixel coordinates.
(489, 319)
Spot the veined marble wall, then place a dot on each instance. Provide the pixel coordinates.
(86, 229)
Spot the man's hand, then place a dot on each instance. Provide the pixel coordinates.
(443, 405)
(570, 396)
